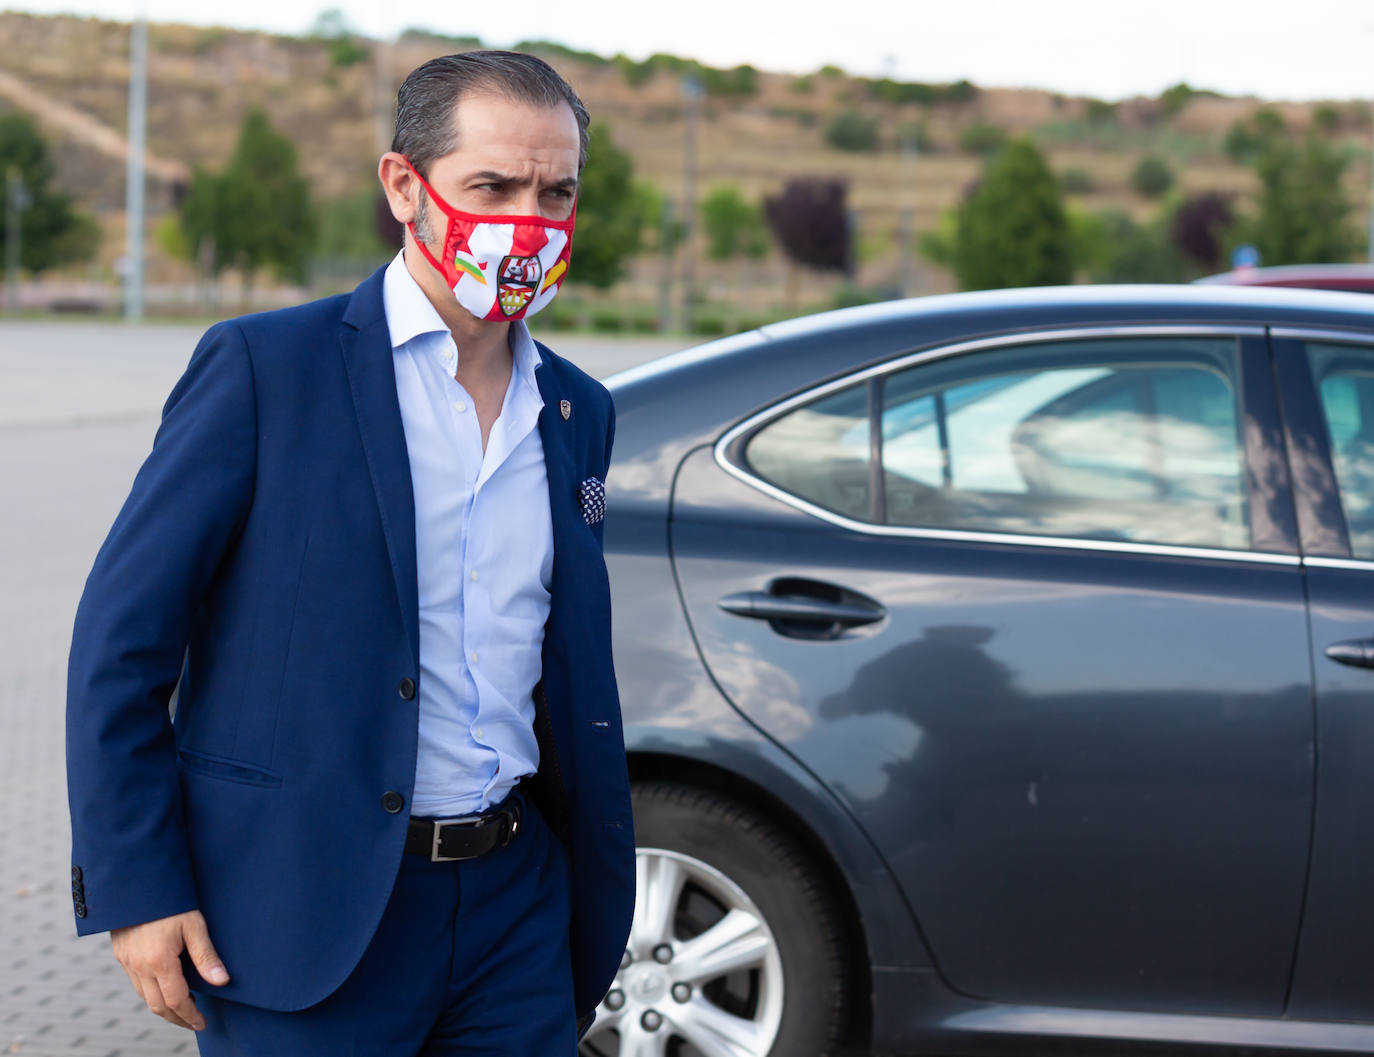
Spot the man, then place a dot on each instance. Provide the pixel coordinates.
(366, 550)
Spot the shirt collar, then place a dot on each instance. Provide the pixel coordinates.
(409, 314)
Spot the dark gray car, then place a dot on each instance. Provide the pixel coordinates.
(995, 670)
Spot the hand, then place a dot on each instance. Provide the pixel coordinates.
(151, 954)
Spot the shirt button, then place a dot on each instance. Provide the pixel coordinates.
(392, 803)
(474, 575)
(477, 731)
(406, 688)
(473, 656)
(460, 406)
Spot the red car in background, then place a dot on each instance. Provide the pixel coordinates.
(1356, 278)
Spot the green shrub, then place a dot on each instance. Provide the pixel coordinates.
(1077, 181)
(346, 51)
(1174, 99)
(1100, 112)
(708, 325)
(852, 131)
(1152, 177)
(982, 137)
(607, 320)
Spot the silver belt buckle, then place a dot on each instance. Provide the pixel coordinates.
(439, 825)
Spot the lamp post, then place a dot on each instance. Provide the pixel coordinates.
(16, 201)
(692, 91)
(133, 176)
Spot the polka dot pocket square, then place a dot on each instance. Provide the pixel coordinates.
(591, 493)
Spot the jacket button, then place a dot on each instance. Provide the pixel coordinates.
(407, 688)
(392, 803)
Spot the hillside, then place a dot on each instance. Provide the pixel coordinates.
(334, 102)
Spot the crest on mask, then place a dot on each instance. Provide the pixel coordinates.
(518, 282)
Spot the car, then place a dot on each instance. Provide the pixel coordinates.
(995, 676)
(1352, 278)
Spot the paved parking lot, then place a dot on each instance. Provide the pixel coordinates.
(78, 408)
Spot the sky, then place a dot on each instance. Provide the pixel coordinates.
(1111, 49)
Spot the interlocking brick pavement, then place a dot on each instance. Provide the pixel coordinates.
(78, 408)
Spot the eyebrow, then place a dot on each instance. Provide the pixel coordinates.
(490, 175)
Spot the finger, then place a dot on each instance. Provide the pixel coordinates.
(178, 998)
(152, 994)
(202, 952)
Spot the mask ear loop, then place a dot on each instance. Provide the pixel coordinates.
(410, 225)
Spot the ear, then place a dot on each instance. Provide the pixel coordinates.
(400, 186)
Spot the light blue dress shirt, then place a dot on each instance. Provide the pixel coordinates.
(484, 555)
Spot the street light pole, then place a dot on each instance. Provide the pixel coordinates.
(133, 177)
(14, 207)
(692, 91)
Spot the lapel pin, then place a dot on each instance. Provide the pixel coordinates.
(565, 406)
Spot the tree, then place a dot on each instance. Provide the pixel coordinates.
(734, 226)
(811, 224)
(1152, 177)
(982, 137)
(1248, 139)
(1012, 229)
(52, 230)
(1110, 247)
(1304, 214)
(257, 212)
(612, 214)
(850, 130)
(1199, 227)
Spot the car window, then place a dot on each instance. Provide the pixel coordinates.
(821, 453)
(1344, 376)
(1132, 440)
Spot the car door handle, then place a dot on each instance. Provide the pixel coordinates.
(798, 608)
(1356, 652)
(765, 606)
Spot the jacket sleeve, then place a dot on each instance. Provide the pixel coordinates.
(186, 507)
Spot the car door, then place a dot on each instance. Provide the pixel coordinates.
(1327, 382)
(1033, 610)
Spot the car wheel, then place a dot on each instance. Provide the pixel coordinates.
(735, 949)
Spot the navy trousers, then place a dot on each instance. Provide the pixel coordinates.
(471, 958)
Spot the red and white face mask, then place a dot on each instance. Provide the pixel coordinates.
(500, 267)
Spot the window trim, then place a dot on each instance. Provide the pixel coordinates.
(729, 448)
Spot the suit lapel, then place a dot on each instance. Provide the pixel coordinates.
(556, 433)
(366, 344)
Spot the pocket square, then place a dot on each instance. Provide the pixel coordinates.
(591, 493)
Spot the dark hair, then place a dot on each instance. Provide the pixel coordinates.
(425, 125)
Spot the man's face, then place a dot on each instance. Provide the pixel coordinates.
(512, 159)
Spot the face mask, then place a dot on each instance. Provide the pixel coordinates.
(500, 267)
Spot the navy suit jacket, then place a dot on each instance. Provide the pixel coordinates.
(264, 566)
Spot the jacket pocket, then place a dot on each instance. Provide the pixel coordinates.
(228, 770)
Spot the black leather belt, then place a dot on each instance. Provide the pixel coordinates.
(456, 839)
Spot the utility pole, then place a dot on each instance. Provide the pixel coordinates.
(906, 226)
(667, 245)
(692, 92)
(133, 178)
(16, 201)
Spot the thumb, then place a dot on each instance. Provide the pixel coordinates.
(202, 951)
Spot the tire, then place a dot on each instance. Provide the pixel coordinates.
(736, 950)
